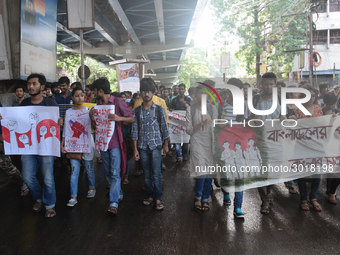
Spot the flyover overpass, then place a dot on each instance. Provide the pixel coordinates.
(155, 30)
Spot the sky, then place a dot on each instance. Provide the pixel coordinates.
(205, 31)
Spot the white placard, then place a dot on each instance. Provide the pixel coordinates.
(177, 127)
(31, 130)
(104, 127)
(77, 130)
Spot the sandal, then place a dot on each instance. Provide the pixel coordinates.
(37, 207)
(50, 213)
(147, 201)
(160, 205)
(125, 180)
(264, 208)
(112, 210)
(99, 160)
(24, 191)
(332, 201)
(292, 190)
(316, 205)
(197, 207)
(205, 207)
(270, 198)
(304, 206)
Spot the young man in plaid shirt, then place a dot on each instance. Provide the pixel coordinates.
(148, 133)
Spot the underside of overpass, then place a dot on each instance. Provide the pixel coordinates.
(159, 30)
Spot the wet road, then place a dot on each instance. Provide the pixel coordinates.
(138, 229)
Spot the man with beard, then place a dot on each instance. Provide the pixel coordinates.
(54, 89)
(115, 157)
(149, 130)
(174, 92)
(30, 163)
(20, 93)
(88, 94)
(65, 96)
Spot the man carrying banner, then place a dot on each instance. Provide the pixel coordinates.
(30, 163)
(148, 133)
(264, 101)
(225, 111)
(114, 158)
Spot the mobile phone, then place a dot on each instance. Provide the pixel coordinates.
(40, 6)
(29, 12)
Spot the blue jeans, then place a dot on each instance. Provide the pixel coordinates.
(152, 167)
(111, 161)
(313, 189)
(30, 164)
(183, 149)
(75, 166)
(238, 199)
(127, 167)
(203, 189)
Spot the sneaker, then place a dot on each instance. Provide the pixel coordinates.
(179, 161)
(138, 172)
(226, 199)
(91, 193)
(185, 158)
(238, 213)
(72, 202)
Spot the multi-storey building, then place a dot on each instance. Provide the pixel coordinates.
(326, 41)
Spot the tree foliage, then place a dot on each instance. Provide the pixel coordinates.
(262, 29)
(72, 61)
(198, 66)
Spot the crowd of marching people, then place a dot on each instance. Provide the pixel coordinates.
(142, 134)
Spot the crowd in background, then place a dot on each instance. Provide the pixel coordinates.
(142, 133)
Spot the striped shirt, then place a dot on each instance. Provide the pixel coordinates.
(227, 111)
(267, 104)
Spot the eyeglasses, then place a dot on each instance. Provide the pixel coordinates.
(146, 92)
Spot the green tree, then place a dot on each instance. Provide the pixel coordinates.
(259, 26)
(195, 67)
(71, 62)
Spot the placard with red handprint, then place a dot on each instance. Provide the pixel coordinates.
(77, 130)
(31, 130)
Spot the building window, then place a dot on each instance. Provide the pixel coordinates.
(334, 5)
(334, 36)
(320, 37)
